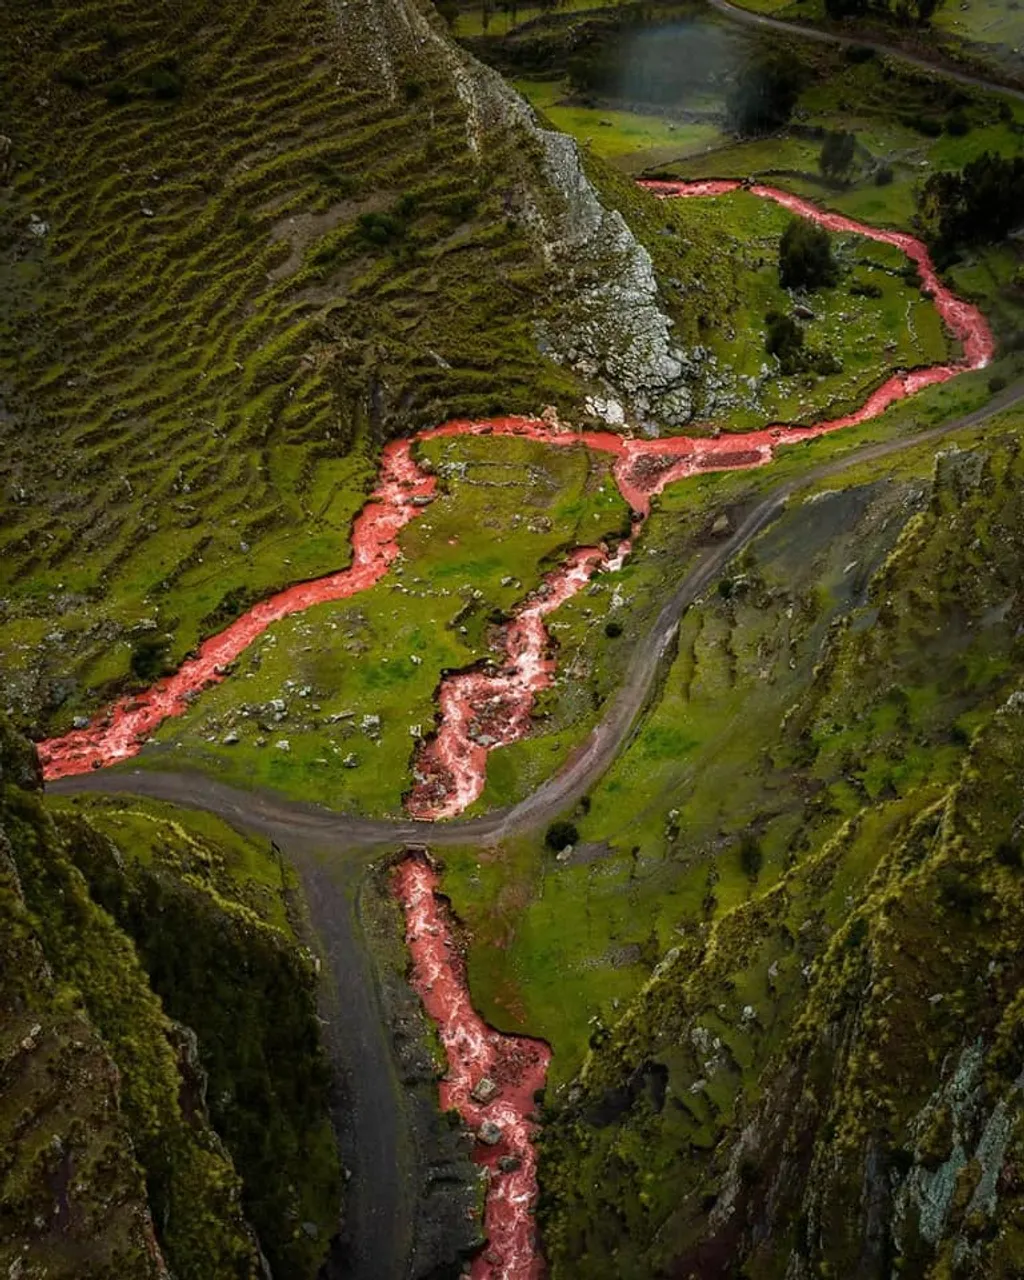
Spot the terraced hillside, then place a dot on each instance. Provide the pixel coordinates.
(241, 245)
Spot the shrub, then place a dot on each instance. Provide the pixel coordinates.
(865, 289)
(118, 93)
(379, 228)
(74, 77)
(996, 383)
(884, 174)
(613, 629)
(785, 341)
(805, 257)
(751, 855)
(957, 124)
(561, 834)
(149, 657)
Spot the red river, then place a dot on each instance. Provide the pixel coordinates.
(513, 1065)
(479, 711)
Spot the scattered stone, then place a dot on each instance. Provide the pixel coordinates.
(722, 525)
(351, 761)
(80, 722)
(37, 227)
(283, 745)
(489, 1133)
(230, 739)
(484, 1090)
(803, 312)
(509, 1164)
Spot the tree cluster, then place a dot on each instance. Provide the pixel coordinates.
(979, 205)
(805, 257)
(904, 11)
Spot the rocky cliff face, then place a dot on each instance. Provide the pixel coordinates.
(607, 322)
(111, 1165)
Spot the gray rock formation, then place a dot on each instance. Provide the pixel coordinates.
(610, 324)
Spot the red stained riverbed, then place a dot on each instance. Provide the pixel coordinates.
(483, 709)
(480, 711)
(475, 1052)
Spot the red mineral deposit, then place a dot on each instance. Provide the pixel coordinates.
(476, 1053)
(478, 710)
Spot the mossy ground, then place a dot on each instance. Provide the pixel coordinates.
(211, 344)
(508, 512)
(557, 946)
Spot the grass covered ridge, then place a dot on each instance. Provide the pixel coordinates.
(132, 1158)
(235, 256)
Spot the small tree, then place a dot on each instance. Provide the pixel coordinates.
(837, 152)
(805, 257)
(561, 834)
(763, 97)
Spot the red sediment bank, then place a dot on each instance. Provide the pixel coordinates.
(122, 729)
(480, 711)
(476, 1052)
(642, 468)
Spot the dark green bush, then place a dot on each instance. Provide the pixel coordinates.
(613, 629)
(957, 124)
(149, 657)
(379, 228)
(805, 257)
(561, 834)
(751, 855)
(785, 340)
(118, 93)
(866, 289)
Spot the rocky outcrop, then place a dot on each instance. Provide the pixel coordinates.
(610, 327)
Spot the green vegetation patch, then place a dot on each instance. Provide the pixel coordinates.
(331, 705)
(231, 266)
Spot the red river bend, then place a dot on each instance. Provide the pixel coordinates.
(450, 768)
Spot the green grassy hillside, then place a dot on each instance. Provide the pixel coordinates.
(130, 1141)
(790, 920)
(235, 256)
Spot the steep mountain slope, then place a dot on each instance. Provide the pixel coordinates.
(242, 244)
(821, 1075)
(110, 1164)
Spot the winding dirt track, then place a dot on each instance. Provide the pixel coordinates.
(283, 819)
(748, 18)
(331, 849)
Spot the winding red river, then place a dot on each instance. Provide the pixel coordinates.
(479, 1058)
(451, 767)
(480, 710)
